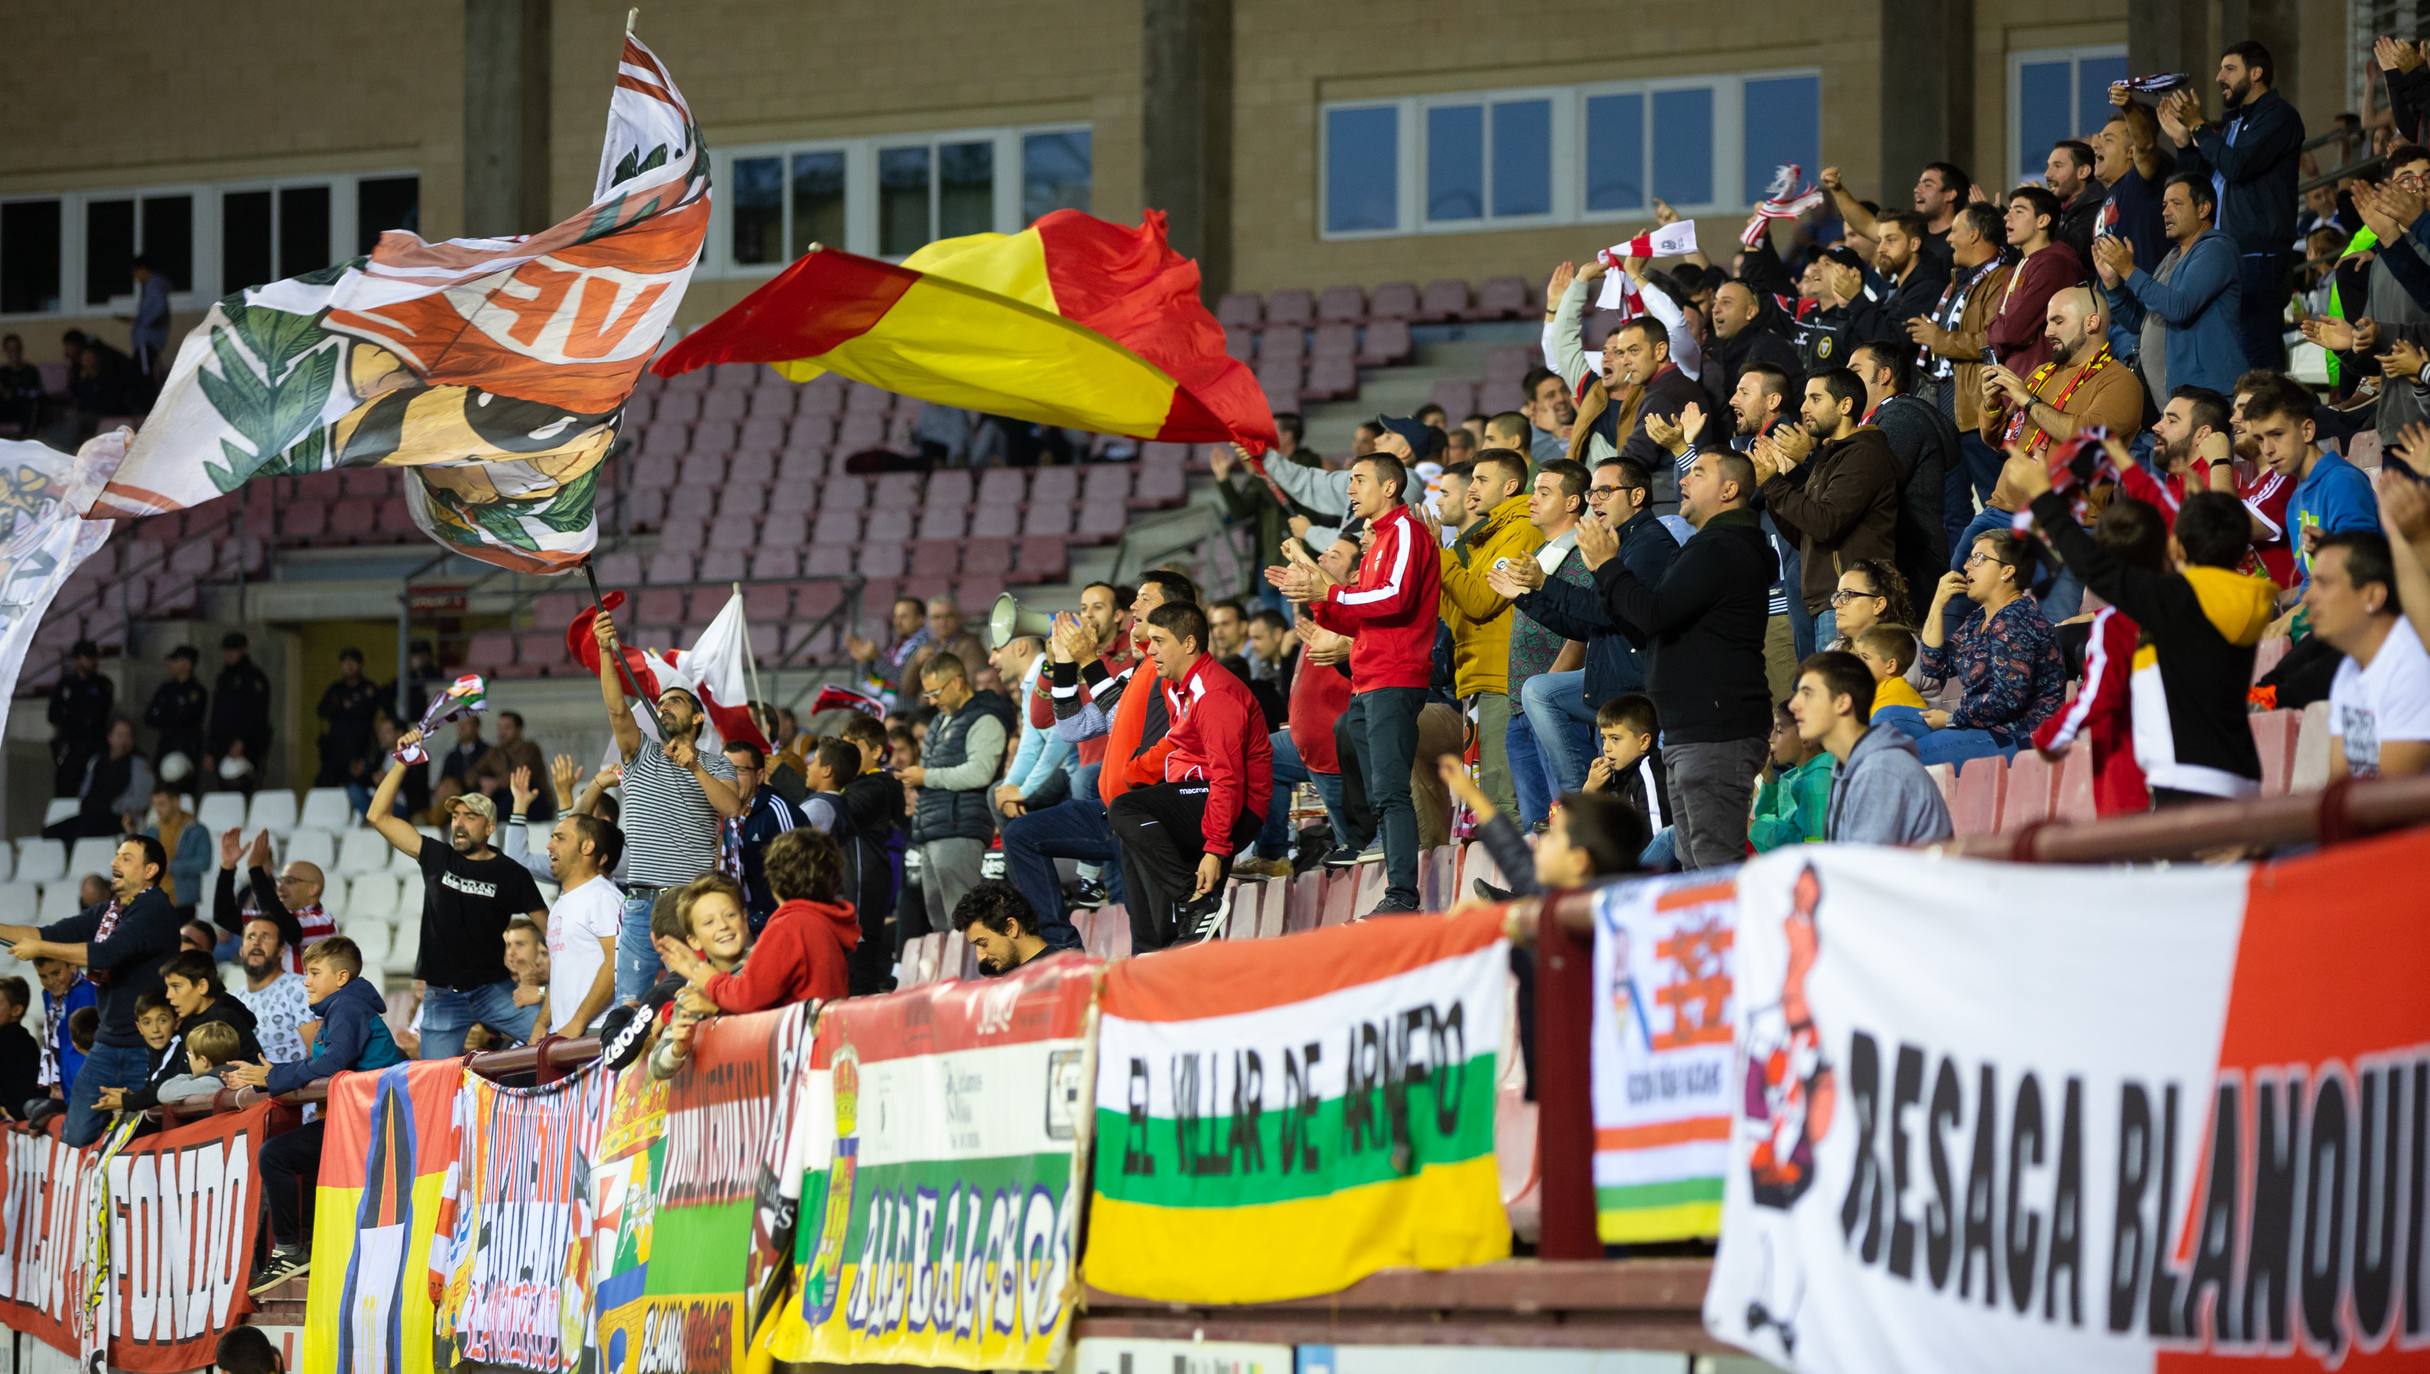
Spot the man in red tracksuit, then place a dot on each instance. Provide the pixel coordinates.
(1177, 837)
(1390, 614)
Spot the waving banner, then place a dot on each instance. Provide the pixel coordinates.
(1281, 1118)
(509, 1272)
(1665, 1042)
(493, 371)
(183, 1212)
(42, 541)
(2031, 1118)
(685, 1196)
(944, 1229)
(384, 1158)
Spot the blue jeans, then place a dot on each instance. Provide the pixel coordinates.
(1274, 842)
(1907, 720)
(1074, 829)
(2262, 308)
(105, 1066)
(1661, 852)
(636, 958)
(1982, 464)
(1958, 746)
(447, 1013)
(1564, 727)
(1526, 772)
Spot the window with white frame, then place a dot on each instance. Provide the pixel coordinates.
(1508, 158)
(2055, 94)
(71, 254)
(887, 196)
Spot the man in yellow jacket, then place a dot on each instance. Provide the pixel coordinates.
(1496, 527)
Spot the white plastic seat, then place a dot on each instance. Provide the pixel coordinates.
(311, 846)
(59, 899)
(220, 811)
(58, 809)
(371, 937)
(8, 861)
(369, 897)
(272, 810)
(18, 903)
(406, 948)
(40, 860)
(92, 854)
(362, 850)
(326, 808)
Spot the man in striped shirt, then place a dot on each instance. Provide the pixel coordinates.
(675, 802)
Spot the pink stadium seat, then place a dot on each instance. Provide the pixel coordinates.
(490, 651)
(2267, 654)
(1444, 300)
(303, 523)
(999, 486)
(621, 569)
(1511, 362)
(1282, 343)
(1239, 345)
(811, 431)
(1974, 809)
(1331, 379)
(646, 508)
(556, 610)
(693, 501)
(1496, 397)
(723, 403)
(2074, 798)
(1388, 342)
(752, 468)
(1160, 484)
(775, 565)
(355, 521)
(1458, 399)
(1335, 340)
(995, 520)
(821, 395)
(1342, 303)
(1944, 777)
(1394, 300)
(990, 556)
(944, 522)
(892, 526)
(1106, 482)
(659, 605)
(1101, 522)
(1280, 400)
(722, 564)
(783, 530)
(936, 557)
(860, 433)
(1290, 307)
(688, 533)
(860, 399)
(668, 565)
(1501, 298)
(2031, 792)
(815, 600)
(1042, 560)
(2275, 734)
(540, 654)
(1239, 308)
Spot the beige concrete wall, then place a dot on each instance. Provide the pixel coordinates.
(2002, 27)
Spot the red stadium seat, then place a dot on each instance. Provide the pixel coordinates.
(1290, 307)
(775, 565)
(2275, 734)
(2031, 791)
(1501, 298)
(491, 653)
(1975, 807)
(1238, 309)
(1458, 399)
(659, 606)
(1387, 343)
(1042, 560)
(1342, 303)
(2073, 801)
(668, 565)
(1394, 300)
(1444, 300)
(722, 564)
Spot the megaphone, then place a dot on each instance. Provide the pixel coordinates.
(1008, 622)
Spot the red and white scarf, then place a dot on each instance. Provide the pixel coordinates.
(313, 924)
(1783, 201)
(1619, 288)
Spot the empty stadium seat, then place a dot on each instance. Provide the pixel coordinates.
(371, 937)
(2030, 793)
(2275, 736)
(1393, 300)
(272, 809)
(58, 809)
(1238, 309)
(361, 850)
(313, 846)
(91, 854)
(326, 808)
(60, 900)
(39, 860)
(1445, 299)
(2310, 769)
(1290, 307)
(19, 903)
(1974, 808)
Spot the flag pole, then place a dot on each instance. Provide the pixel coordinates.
(751, 662)
(624, 672)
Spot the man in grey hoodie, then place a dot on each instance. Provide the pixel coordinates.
(1880, 793)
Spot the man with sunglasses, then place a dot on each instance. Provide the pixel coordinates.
(676, 801)
(291, 901)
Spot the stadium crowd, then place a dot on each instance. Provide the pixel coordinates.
(2002, 470)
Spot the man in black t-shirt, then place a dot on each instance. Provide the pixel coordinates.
(121, 945)
(469, 892)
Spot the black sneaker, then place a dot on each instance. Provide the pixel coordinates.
(1089, 895)
(286, 1262)
(1345, 857)
(1203, 920)
(1391, 907)
(1489, 892)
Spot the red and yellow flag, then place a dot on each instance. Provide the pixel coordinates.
(1072, 322)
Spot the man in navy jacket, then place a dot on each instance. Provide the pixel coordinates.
(2251, 156)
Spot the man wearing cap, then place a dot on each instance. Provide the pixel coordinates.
(469, 892)
(240, 706)
(80, 717)
(179, 708)
(346, 711)
(1392, 613)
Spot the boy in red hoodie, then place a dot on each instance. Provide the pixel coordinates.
(804, 953)
(1178, 836)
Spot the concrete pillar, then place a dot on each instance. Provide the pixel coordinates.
(1186, 128)
(1927, 91)
(2170, 36)
(506, 89)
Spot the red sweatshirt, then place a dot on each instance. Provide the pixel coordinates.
(1391, 612)
(1319, 695)
(798, 958)
(2103, 713)
(2015, 330)
(2164, 491)
(1219, 734)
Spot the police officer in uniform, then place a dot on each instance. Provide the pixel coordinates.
(348, 709)
(80, 718)
(240, 711)
(180, 708)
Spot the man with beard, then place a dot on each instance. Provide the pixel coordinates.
(2186, 309)
(2127, 158)
(888, 667)
(1923, 446)
(2080, 385)
(1747, 329)
(1950, 342)
(1939, 197)
(2253, 156)
(2192, 438)
(1910, 282)
(469, 892)
(2068, 172)
(273, 993)
(1844, 507)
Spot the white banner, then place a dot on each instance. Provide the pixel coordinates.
(1665, 1043)
(42, 541)
(2019, 1118)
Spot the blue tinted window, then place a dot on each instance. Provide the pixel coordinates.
(1055, 173)
(756, 209)
(1782, 118)
(1683, 146)
(1455, 162)
(1362, 169)
(1522, 157)
(1615, 152)
(2045, 112)
(2093, 75)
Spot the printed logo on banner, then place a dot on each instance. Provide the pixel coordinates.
(1664, 1047)
(1975, 1133)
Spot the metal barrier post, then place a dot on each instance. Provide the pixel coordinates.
(1565, 1110)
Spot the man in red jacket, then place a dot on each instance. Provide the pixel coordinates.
(1390, 614)
(1178, 836)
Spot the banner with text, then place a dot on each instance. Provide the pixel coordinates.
(1664, 1045)
(384, 1158)
(684, 1197)
(182, 1212)
(944, 1226)
(1281, 1118)
(2040, 1118)
(509, 1270)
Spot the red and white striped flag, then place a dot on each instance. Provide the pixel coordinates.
(715, 669)
(1669, 241)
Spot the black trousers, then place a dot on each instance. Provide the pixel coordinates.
(1158, 831)
(291, 1168)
